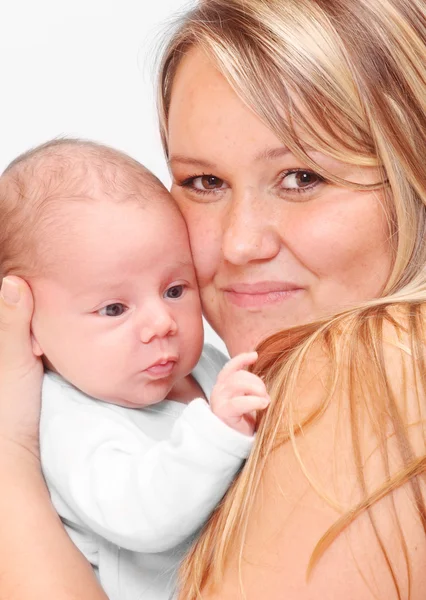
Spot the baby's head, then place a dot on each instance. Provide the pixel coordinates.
(106, 253)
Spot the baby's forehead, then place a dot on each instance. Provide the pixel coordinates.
(73, 170)
(106, 245)
(44, 191)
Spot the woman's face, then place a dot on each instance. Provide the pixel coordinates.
(274, 245)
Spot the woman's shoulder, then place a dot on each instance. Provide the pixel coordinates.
(341, 496)
(366, 381)
(370, 349)
(392, 356)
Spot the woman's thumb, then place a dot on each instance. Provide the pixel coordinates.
(16, 309)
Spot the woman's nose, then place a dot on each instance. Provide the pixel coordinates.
(160, 324)
(249, 231)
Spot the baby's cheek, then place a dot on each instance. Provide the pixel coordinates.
(46, 332)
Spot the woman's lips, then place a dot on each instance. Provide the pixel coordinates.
(256, 295)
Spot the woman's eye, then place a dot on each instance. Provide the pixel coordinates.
(208, 182)
(300, 180)
(113, 310)
(174, 292)
(204, 183)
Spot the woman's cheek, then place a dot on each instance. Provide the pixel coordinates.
(340, 233)
(206, 240)
(322, 245)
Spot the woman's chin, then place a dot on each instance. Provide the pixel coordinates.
(245, 335)
(245, 341)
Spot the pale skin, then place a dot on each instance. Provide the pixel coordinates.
(77, 305)
(133, 303)
(312, 250)
(330, 249)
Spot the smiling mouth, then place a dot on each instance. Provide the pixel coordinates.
(261, 294)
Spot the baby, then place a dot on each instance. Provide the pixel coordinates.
(118, 322)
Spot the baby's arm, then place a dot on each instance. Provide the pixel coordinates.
(142, 495)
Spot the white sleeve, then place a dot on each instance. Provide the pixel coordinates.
(142, 495)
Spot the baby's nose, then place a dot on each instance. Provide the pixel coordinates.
(162, 325)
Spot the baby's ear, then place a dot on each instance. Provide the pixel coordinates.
(36, 346)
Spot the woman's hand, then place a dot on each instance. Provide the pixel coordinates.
(38, 559)
(20, 370)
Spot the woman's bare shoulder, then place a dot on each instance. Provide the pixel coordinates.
(315, 484)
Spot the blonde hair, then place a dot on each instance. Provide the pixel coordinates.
(350, 77)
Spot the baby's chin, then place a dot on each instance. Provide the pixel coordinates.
(129, 403)
(130, 394)
(137, 399)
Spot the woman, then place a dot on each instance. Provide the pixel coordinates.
(295, 132)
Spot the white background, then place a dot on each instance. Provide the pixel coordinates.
(83, 68)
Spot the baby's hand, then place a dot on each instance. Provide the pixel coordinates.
(238, 394)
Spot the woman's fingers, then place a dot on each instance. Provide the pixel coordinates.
(20, 370)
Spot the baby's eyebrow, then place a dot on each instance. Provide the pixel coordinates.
(99, 289)
(185, 263)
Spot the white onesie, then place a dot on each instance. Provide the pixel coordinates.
(133, 486)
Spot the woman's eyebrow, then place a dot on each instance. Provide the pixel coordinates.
(187, 160)
(267, 154)
(271, 153)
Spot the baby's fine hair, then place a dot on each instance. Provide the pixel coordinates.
(38, 185)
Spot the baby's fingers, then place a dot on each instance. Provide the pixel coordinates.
(243, 405)
(238, 363)
(243, 383)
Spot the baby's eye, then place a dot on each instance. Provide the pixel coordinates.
(174, 292)
(299, 180)
(113, 310)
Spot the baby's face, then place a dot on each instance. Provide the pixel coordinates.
(120, 316)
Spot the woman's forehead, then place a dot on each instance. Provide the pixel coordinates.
(207, 117)
(210, 125)
(197, 86)
(204, 108)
